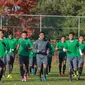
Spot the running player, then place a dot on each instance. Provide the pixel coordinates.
(2, 54)
(71, 46)
(12, 44)
(62, 56)
(23, 52)
(80, 52)
(50, 55)
(42, 46)
(31, 54)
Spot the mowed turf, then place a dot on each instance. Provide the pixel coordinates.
(52, 78)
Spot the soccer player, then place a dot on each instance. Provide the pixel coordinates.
(42, 46)
(2, 54)
(35, 63)
(10, 57)
(80, 52)
(31, 54)
(23, 52)
(62, 56)
(51, 53)
(71, 46)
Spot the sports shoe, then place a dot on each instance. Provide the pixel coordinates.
(44, 78)
(25, 78)
(40, 80)
(9, 76)
(22, 78)
(70, 80)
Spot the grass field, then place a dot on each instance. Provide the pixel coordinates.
(52, 79)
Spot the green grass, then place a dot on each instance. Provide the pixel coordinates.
(52, 79)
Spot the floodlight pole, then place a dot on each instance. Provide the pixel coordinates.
(40, 23)
(79, 26)
(1, 22)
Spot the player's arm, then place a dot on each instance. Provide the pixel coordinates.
(30, 47)
(18, 46)
(65, 49)
(57, 47)
(35, 47)
(52, 49)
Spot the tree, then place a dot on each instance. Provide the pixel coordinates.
(17, 6)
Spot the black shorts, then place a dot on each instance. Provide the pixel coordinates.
(23, 60)
(34, 61)
(2, 62)
(10, 58)
(62, 58)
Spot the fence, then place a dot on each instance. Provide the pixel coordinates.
(54, 26)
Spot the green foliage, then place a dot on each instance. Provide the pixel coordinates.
(60, 7)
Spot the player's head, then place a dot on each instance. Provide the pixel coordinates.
(42, 35)
(71, 35)
(63, 38)
(1, 33)
(24, 34)
(10, 34)
(81, 38)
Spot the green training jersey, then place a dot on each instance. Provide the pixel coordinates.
(24, 45)
(31, 53)
(61, 45)
(71, 46)
(82, 48)
(12, 43)
(2, 48)
(52, 50)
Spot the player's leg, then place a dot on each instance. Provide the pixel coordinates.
(30, 64)
(64, 65)
(69, 60)
(39, 64)
(75, 66)
(35, 65)
(12, 62)
(47, 68)
(22, 71)
(10, 65)
(45, 62)
(60, 63)
(50, 62)
(80, 67)
(26, 62)
(2, 65)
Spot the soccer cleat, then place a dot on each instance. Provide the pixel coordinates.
(3, 76)
(33, 70)
(22, 78)
(25, 78)
(62, 74)
(40, 80)
(44, 78)
(9, 76)
(77, 73)
(70, 80)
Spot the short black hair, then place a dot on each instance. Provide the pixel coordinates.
(63, 36)
(10, 33)
(2, 31)
(81, 36)
(72, 33)
(24, 32)
(42, 32)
